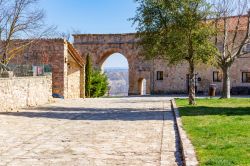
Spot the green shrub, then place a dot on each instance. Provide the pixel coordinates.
(88, 73)
(96, 83)
(99, 84)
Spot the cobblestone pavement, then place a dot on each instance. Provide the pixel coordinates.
(117, 131)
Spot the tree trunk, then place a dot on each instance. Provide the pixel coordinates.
(4, 58)
(191, 84)
(226, 83)
(88, 73)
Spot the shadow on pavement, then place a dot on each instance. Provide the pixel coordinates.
(77, 113)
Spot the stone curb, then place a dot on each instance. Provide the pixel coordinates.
(188, 152)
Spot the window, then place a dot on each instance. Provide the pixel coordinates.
(246, 77)
(159, 75)
(220, 46)
(246, 48)
(217, 76)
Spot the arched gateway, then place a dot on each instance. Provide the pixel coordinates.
(159, 77)
(101, 46)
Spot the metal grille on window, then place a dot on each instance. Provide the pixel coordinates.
(159, 75)
(246, 77)
(217, 76)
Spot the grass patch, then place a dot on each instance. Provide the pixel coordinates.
(219, 130)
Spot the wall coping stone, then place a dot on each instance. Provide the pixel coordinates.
(20, 78)
(188, 151)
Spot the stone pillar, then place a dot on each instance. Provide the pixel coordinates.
(58, 70)
(133, 83)
(148, 86)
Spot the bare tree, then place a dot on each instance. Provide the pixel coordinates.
(3, 15)
(232, 24)
(20, 19)
(68, 34)
(65, 35)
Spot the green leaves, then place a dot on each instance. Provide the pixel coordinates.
(96, 83)
(88, 73)
(176, 30)
(99, 84)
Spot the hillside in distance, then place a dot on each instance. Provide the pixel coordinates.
(118, 81)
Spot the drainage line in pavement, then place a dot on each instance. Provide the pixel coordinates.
(162, 131)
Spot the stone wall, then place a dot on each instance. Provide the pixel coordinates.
(74, 74)
(59, 54)
(175, 76)
(101, 46)
(25, 91)
(49, 52)
(239, 66)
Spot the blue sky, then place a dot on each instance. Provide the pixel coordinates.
(92, 16)
(116, 61)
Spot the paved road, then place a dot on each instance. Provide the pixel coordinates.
(118, 131)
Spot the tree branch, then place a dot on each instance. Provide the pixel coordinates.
(246, 38)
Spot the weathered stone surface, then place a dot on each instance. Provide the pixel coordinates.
(119, 131)
(101, 46)
(188, 152)
(26, 91)
(67, 64)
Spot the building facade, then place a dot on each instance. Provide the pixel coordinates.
(161, 78)
(66, 63)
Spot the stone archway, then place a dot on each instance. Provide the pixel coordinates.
(101, 46)
(107, 53)
(116, 68)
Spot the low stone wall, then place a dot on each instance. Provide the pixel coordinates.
(24, 91)
(187, 148)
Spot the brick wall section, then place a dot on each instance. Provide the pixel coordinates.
(25, 91)
(49, 52)
(55, 52)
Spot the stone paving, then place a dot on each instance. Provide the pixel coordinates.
(108, 131)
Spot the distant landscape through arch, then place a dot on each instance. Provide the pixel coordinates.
(116, 68)
(101, 46)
